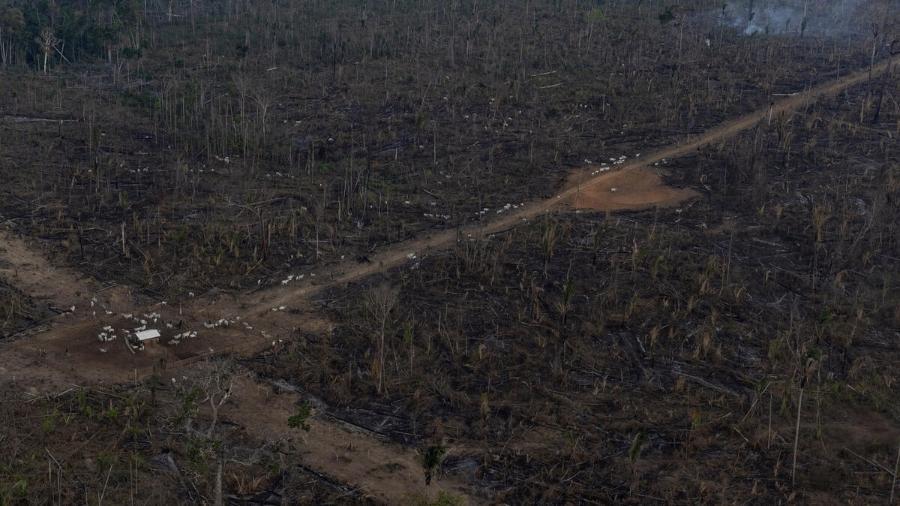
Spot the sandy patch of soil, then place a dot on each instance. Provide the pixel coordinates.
(638, 188)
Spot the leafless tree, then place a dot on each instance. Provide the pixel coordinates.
(217, 387)
(380, 301)
(48, 42)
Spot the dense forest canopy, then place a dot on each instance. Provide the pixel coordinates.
(68, 29)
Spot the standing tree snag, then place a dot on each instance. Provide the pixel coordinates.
(48, 42)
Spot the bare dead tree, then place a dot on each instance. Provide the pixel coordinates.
(48, 42)
(380, 301)
(217, 387)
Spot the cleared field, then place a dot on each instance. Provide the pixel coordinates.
(449, 252)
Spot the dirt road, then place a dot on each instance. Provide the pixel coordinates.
(398, 254)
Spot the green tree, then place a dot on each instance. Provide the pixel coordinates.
(12, 25)
(80, 28)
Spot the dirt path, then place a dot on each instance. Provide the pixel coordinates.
(389, 473)
(399, 254)
(70, 353)
(29, 270)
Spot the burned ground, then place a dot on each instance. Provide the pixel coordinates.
(643, 350)
(303, 183)
(17, 311)
(216, 167)
(134, 445)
